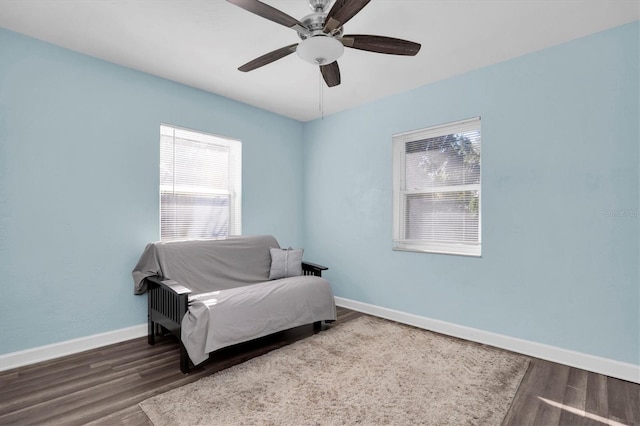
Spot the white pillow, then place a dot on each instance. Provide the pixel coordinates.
(285, 263)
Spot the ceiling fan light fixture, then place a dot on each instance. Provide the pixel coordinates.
(320, 50)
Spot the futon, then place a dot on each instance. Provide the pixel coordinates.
(216, 293)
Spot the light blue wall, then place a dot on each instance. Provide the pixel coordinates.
(560, 188)
(79, 155)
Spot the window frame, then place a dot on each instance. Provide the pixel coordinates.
(234, 177)
(400, 193)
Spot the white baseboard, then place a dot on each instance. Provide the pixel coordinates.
(608, 367)
(69, 347)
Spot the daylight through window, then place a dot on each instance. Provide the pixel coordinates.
(200, 185)
(436, 189)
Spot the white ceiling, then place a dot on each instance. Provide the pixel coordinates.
(202, 42)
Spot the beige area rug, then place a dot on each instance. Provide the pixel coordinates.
(367, 371)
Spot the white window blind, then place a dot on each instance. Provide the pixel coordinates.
(436, 189)
(200, 185)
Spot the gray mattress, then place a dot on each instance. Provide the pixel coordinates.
(223, 318)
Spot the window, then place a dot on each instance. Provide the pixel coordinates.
(200, 185)
(436, 189)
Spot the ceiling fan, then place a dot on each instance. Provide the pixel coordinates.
(322, 36)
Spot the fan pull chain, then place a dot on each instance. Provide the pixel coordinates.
(320, 96)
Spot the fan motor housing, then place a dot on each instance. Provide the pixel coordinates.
(315, 23)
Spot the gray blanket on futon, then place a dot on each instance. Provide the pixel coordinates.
(207, 265)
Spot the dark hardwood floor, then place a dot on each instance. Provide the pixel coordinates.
(104, 386)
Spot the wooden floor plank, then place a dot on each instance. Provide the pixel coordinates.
(597, 403)
(104, 386)
(623, 401)
(552, 396)
(130, 416)
(575, 397)
(526, 402)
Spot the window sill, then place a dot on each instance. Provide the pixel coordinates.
(456, 250)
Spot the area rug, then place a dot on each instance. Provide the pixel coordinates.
(367, 371)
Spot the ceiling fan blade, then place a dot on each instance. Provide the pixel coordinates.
(331, 73)
(341, 12)
(270, 13)
(268, 58)
(381, 44)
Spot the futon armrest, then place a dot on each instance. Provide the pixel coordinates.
(169, 284)
(168, 304)
(309, 268)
